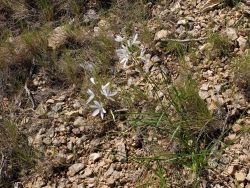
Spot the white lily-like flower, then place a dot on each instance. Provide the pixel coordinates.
(98, 109)
(106, 91)
(124, 55)
(91, 96)
(92, 80)
(144, 57)
(119, 38)
(134, 42)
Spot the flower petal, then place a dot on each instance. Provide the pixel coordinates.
(111, 94)
(90, 99)
(102, 115)
(96, 112)
(92, 80)
(119, 38)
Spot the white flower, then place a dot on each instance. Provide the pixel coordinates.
(91, 96)
(98, 109)
(119, 38)
(106, 91)
(134, 42)
(124, 54)
(144, 57)
(92, 80)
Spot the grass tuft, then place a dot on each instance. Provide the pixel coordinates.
(221, 45)
(15, 152)
(241, 69)
(231, 3)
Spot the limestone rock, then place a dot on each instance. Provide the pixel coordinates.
(79, 121)
(94, 157)
(161, 34)
(121, 152)
(242, 42)
(58, 37)
(231, 33)
(75, 168)
(240, 176)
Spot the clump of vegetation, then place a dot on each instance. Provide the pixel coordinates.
(241, 68)
(183, 116)
(221, 45)
(174, 47)
(17, 55)
(231, 3)
(17, 157)
(126, 16)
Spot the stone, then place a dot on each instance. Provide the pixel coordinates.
(236, 128)
(161, 34)
(240, 176)
(109, 171)
(18, 185)
(76, 105)
(242, 43)
(90, 16)
(47, 141)
(204, 94)
(247, 186)
(79, 121)
(231, 33)
(75, 168)
(58, 37)
(232, 137)
(230, 170)
(248, 176)
(88, 172)
(182, 22)
(61, 98)
(205, 86)
(110, 180)
(41, 109)
(58, 107)
(121, 154)
(38, 139)
(93, 157)
(72, 113)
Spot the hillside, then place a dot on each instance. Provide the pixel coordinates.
(123, 93)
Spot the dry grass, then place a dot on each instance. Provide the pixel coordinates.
(241, 68)
(17, 156)
(221, 46)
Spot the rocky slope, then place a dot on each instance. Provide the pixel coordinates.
(79, 150)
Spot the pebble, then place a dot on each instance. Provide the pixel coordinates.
(50, 101)
(75, 168)
(88, 172)
(240, 176)
(248, 176)
(94, 157)
(230, 170)
(161, 34)
(236, 128)
(242, 42)
(79, 121)
(121, 154)
(231, 33)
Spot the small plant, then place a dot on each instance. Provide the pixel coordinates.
(174, 47)
(241, 69)
(231, 3)
(183, 116)
(16, 154)
(47, 9)
(221, 45)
